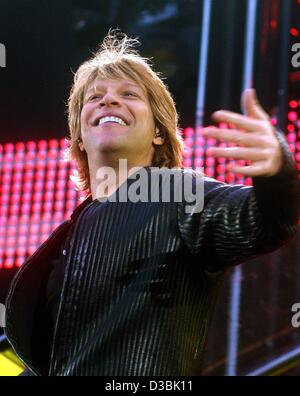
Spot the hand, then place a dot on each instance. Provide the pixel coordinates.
(256, 142)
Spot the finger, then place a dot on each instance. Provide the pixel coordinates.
(234, 136)
(251, 154)
(240, 121)
(257, 169)
(251, 106)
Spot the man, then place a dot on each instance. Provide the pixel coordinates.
(128, 288)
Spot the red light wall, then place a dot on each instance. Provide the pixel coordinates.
(36, 193)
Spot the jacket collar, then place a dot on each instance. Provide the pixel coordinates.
(80, 207)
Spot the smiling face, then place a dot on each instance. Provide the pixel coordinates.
(130, 134)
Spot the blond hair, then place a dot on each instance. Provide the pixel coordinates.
(116, 58)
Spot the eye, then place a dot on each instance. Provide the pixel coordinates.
(129, 93)
(94, 97)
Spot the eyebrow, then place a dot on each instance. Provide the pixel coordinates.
(94, 88)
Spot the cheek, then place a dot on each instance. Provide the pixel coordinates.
(85, 114)
(148, 118)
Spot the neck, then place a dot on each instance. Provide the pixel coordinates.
(107, 175)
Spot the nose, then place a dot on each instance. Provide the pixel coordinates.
(109, 99)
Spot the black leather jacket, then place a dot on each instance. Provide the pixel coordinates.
(237, 223)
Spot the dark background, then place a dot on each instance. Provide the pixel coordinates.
(47, 40)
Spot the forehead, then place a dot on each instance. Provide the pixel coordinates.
(102, 83)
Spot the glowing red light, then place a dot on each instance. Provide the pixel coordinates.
(189, 132)
(11, 242)
(71, 193)
(59, 195)
(17, 177)
(31, 249)
(58, 206)
(51, 174)
(20, 146)
(38, 186)
(63, 143)
(33, 239)
(46, 216)
(221, 178)
(199, 152)
(188, 152)
(9, 148)
(200, 141)
(42, 145)
(51, 163)
(5, 199)
(21, 251)
(45, 228)
(292, 148)
(292, 116)
(37, 207)
(294, 32)
(210, 161)
(47, 207)
(49, 195)
(30, 156)
(291, 137)
(273, 24)
(293, 104)
(31, 146)
(8, 263)
(25, 208)
(14, 209)
(28, 176)
(61, 184)
(230, 177)
(58, 217)
(53, 154)
(53, 143)
(19, 261)
(221, 168)
(199, 162)
(189, 142)
(211, 141)
(15, 199)
(210, 172)
(40, 174)
(187, 162)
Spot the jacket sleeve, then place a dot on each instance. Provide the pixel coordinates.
(26, 373)
(240, 222)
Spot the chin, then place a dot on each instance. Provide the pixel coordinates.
(108, 145)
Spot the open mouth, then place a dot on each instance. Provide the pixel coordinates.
(110, 119)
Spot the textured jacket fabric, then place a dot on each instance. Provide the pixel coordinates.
(141, 279)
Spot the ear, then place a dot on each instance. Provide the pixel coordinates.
(80, 145)
(158, 141)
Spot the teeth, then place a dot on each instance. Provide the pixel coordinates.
(111, 119)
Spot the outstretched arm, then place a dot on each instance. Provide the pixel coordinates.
(239, 222)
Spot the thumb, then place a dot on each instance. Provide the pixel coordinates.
(251, 106)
